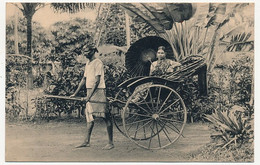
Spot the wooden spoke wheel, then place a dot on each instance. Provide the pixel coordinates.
(154, 116)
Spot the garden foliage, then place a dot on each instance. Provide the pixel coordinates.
(228, 85)
(228, 106)
(114, 25)
(15, 80)
(12, 106)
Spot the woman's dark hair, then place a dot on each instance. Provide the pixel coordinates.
(161, 48)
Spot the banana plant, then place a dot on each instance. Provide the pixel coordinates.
(219, 15)
(162, 17)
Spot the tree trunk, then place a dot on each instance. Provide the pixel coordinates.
(96, 22)
(127, 25)
(16, 32)
(212, 54)
(101, 29)
(29, 35)
(29, 50)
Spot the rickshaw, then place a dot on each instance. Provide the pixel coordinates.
(148, 110)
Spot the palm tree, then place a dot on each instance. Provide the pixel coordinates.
(28, 10)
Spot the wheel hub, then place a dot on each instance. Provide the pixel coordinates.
(155, 116)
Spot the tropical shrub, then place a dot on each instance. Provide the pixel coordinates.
(140, 30)
(115, 71)
(241, 80)
(112, 18)
(70, 37)
(229, 84)
(41, 47)
(231, 126)
(12, 105)
(114, 76)
(65, 85)
(16, 71)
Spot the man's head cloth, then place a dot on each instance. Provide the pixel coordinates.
(89, 49)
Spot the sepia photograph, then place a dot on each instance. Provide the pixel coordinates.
(94, 82)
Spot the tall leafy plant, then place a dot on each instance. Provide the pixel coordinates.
(220, 15)
(185, 40)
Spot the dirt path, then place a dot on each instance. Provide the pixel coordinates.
(55, 141)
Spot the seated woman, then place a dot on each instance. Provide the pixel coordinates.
(163, 65)
(160, 67)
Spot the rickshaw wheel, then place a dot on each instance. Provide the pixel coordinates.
(118, 119)
(117, 111)
(154, 116)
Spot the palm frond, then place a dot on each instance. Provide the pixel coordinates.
(133, 10)
(72, 7)
(29, 9)
(180, 12)
(241, 42)
(160, 16)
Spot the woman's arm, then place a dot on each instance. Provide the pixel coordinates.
(152, 67)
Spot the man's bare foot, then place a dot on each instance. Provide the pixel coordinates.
(83, 145)
(108, 147)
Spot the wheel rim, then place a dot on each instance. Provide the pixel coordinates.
(154, 116)
(117, 118)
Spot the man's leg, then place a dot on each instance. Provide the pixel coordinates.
(86, 142)
(90, 126)
(109, 125)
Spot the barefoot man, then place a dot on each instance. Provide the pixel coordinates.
(95, 84)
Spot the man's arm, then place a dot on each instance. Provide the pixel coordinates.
(97, 81)
(82, 82)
